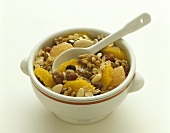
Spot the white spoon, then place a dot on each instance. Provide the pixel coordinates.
(132, 26)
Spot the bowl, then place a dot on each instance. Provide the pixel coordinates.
(83, 110)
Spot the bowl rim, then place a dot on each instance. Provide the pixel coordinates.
(61, 97)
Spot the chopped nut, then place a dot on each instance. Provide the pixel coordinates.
(80, 92)
(73, 94)
(95, 41)
(86, 60)
(88, 94)
(67, 92)
(96, 78)
(76, 36)
(57, 88)
(99, 55)
(100, 37)
(85, 37)
(39, 62)
(63, 90)
(96, 92)
(71, 37)
(41, 52)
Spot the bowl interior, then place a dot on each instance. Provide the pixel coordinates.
(48, 41)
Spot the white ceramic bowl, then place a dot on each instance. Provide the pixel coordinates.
(83, 110)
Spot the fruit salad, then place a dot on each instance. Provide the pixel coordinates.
(86, 76)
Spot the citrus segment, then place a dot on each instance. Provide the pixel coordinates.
(77, 84)
(116, 51)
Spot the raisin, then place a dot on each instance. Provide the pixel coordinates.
(71, 67)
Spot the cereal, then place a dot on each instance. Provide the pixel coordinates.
(88, 75)
(43, 60)
(90, 60)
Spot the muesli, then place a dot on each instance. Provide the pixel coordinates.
(89, 74)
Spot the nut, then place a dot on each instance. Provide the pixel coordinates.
(73, 94)
(83, 43)
(71, 76)
(58, 77)
(96, 92)
(47, 49)
(96, 78)
(80, 93)
(109, 56)
(96, 71)
(57, 88)
(100, 37)
(99, 55)
(67, 91)
(88, 94)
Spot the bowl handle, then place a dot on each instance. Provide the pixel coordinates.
(137, 83)
(24, 65)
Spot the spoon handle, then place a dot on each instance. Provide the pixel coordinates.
(130, 27)
(137, 23)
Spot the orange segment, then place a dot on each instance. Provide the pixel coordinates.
(44, 76)
(77, 84)
(116, 51)
(107, 76)
(118, 76)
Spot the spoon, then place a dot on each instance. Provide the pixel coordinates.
(130, 27)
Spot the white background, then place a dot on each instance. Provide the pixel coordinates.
(24, 22)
